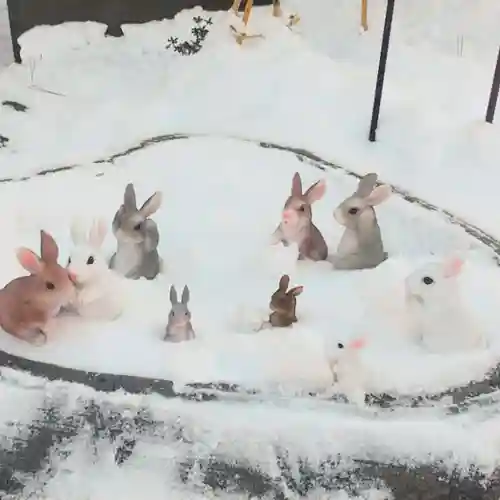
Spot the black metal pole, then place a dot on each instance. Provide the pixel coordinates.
(13, 11)
(381, 69)
(495, 86)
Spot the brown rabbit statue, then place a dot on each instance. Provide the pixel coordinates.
(28, 303)
(283, 305)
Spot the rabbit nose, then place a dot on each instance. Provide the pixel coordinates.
(287, 215)
(72, 276)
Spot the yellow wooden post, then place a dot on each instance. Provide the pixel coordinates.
(364, 14)
(240, 36)
(246, 13)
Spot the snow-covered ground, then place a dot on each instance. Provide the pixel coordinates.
(222, 196)
(215, 237)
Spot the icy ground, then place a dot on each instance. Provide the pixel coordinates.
(90, 98)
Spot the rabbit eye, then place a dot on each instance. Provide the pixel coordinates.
(340, 345)
(427, 280)
(69, 261)
(90, 260)
(137, 227)
(50, 285)
(302, 208)
(186, 314)
(353, 211)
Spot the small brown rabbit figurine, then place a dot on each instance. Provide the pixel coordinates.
(283, 305)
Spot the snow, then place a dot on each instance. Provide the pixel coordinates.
(254, 431)
(310, 87)
(215, 232)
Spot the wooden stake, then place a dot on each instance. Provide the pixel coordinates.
(364, 14)
(277, 8)
(247, 12)
(236, 6)
(241, 36)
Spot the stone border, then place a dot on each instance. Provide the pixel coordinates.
(106, 382)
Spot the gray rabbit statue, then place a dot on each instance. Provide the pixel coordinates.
(137, 237)
(179, 327)
(361, 245)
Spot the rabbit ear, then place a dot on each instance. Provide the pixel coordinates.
(129, 200)
(173, 295)
(284, 282)
(366, 185)
(315, 192)
(296, 185)
(151, 205)
(97, 233)
(29, 260)
(357, 344)
(296, 290)
(452, 267)
(185, 295)
(379, 194)
(78, 233)
(48, 248)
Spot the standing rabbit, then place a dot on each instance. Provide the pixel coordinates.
(296, 224)
(137, 237)
(361, 245)
(348, 371)
(436, 313)
(98, 293)
(283, 305)
(179, 327)
(28, 303)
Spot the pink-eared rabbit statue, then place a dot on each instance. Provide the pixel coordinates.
(296, 224)
(28, 303)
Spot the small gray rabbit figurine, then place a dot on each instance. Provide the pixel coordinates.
(137, 237)
(179, 327)
(361, 245)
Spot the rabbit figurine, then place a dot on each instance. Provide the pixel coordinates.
(283, 305)
(296, 224)
(348, 371)
(437, 317)
(179, 327)
(137, 237)
(98, 293)
(28, 303)
(361, 245)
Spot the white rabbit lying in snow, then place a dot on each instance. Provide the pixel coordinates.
(99, 293)
(436, 313)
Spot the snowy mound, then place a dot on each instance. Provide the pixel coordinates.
(222, 200)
